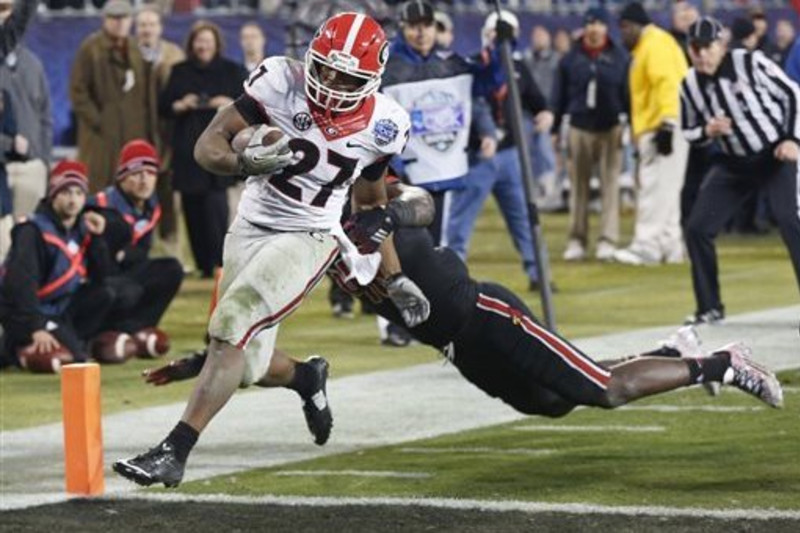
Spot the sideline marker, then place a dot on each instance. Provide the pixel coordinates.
(83, 432)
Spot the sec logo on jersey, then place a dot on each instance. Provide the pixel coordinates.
(302, 121)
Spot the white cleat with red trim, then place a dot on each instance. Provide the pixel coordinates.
(750, 377)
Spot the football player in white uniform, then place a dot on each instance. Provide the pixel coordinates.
(338, 132)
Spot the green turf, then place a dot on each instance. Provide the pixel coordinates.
(702, 459)
(593, 298)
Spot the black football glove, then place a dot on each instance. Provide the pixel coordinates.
(414, 307)
(179, 370)
(663, 139)
(504, 31)
(368, 229)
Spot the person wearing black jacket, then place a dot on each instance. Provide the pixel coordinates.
(52, 292)
(501, 175)
(197, 87)
(145, 287)
(592, 88)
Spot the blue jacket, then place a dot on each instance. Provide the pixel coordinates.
(792, 66)
(576, 70)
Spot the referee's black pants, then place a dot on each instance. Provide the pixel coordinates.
(729, 183)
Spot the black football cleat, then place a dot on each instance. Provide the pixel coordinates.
(157, 465)
(315, 405)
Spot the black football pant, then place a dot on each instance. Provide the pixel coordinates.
(206, 217)
(142, 294)
(696, 169)
(509, 356)
(729, 183)
(82, 319)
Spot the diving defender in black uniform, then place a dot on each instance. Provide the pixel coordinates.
(494, 340)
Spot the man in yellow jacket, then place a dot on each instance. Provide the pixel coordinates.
(657, 68)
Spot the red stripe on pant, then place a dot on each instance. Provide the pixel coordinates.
(598, 375)
(274, 318)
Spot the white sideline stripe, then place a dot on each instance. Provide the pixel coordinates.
(356, 473)
(791, 389)
(629, 429)
(452, 503)
(659, 408)
(479, 451)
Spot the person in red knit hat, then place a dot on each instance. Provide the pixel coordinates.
(52, 296)
(133, 212)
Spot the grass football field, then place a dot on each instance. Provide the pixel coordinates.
(680, 450)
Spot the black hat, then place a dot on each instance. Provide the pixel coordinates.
(704, 31)
(596, 14)
(742, 28)
(634, 12)
(417, 11)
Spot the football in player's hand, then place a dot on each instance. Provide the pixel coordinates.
(113, 347)
(242, 139)
(48, 363)
(151, 343)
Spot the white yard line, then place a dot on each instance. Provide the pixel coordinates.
(481, 505)
(370, 410)
(477, 451)
(352, 473)
(661, 408)
(592, 428)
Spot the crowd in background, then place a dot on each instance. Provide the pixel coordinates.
(588, 111)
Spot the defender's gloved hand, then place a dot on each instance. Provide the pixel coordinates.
(663, 139)
(179, 370)
(257, 159)
(368, 229)
(409, 300)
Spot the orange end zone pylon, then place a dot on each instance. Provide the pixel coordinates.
(83, 432)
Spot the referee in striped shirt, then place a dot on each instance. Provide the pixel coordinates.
(745, 103)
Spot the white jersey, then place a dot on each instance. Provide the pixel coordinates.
(331, 153)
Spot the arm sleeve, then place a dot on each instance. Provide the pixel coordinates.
(8, 126)
(532, 98)
(11, 31)
(785, 91)
(100, 262)
(23, 272)
(170, 94)
(482, 118)
(251, 111)
(792, 65)
(80, 81)
(375, 171)
(665, 79)
(559, 94)
(45, 118)
(692, 120)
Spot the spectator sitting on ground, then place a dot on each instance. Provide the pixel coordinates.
(52, 296)
(145, 287)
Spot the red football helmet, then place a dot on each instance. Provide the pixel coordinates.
(354, 46)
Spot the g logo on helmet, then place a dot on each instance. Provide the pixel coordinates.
(383, 55)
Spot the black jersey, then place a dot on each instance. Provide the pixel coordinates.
(440, 274)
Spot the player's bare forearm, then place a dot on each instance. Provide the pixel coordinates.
(369, 194)
(411, 206)
(213, 149)
(390, 262)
